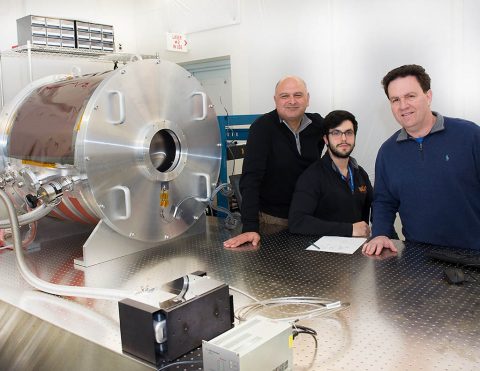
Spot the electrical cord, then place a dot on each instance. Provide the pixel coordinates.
(225, 108)
(298, 329)
(233, 156)
(227, 128)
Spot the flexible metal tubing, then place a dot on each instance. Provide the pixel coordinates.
(30, 278)
(29, 217)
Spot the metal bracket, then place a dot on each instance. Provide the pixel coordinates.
(105, 244)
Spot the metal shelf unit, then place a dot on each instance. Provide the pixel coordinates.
(49, 51)
(52, 50)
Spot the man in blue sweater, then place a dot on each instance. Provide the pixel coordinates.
(428, 171)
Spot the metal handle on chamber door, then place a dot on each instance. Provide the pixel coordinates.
(121, 108)
(209, 190)
(128, 204)
(204, 105)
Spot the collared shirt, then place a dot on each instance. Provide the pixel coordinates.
(303, 124)
(438, 126)
(352, 163)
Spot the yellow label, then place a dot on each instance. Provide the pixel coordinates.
(164, 199)
(290, 341)
(41, 164)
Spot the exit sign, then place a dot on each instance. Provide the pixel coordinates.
(177, 42)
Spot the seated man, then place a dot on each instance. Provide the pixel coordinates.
(333, 196)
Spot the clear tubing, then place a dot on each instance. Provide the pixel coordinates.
(219, 208)
(30, 278)
(322, 307)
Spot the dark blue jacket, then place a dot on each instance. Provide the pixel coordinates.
(323, 203)
(435, 185)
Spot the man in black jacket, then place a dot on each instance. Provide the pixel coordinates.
(281, 145)
(334, 195)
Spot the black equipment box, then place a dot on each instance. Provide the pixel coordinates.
(202, 310)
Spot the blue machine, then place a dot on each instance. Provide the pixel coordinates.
(227, 135)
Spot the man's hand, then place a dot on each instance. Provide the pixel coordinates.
(377, 244)
(252, 237)
(361, 229)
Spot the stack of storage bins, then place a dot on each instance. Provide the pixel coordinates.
(94, 36)
(65, 33)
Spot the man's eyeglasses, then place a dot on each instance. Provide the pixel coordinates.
(338, 133)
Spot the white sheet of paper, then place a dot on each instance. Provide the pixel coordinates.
(341, 245)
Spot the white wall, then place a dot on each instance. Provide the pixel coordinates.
(342, 48)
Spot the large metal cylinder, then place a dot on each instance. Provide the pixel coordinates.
(140, 146)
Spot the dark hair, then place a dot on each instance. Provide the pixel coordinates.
(408, 70)
(335, 118)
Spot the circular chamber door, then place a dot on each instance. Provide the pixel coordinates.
(149, 145)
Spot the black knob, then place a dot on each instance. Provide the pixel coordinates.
(31, 200)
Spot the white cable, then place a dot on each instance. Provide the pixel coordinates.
(322, 306)
(62, 290)
(243, 293)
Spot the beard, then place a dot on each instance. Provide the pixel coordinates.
(339, 154)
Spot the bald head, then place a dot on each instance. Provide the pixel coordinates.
(297, 79)
(291, 100)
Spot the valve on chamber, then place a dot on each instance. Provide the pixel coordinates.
(50, 192)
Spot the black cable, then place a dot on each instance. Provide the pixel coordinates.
(227, 128)
(225, 108)
(233, 157)
(297, 329)
(305, 330)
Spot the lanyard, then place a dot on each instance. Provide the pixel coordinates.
(351, 181)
